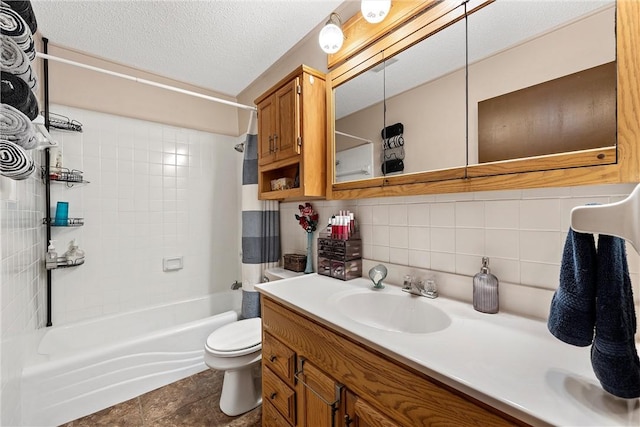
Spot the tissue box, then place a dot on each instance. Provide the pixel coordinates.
(281, 184)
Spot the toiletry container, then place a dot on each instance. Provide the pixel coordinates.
(51, 260)
(485, 289)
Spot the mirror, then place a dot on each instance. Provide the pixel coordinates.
(359, 111)
(423, 89)
(513, 46)
(542, 82)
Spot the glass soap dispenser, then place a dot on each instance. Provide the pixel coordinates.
(485, 289)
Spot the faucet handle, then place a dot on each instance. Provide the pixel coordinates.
(430, 289)
(408, 282)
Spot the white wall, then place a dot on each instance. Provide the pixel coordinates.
(522, 231)
(155, 191)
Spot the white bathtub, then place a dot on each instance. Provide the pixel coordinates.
(84, 367)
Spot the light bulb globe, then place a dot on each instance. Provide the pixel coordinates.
(331, 38)
(375, 11)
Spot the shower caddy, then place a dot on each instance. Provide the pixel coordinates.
(69, 177)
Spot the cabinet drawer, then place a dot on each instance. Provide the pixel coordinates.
(278, 357)
(275, 391)
(271, 417)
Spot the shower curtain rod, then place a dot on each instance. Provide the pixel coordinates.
(144, 81)
(368, 141)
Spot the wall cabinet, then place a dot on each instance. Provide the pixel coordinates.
(292, 136)
(338, 381)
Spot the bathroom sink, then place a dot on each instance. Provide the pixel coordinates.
(393, 312)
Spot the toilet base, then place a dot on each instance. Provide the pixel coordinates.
(241, 390)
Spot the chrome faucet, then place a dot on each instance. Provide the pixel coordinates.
(420, 287)
(236, 285)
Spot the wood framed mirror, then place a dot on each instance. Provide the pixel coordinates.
(614, 160)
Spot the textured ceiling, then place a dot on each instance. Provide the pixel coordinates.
(222, 45)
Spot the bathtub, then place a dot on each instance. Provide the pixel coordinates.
(87, 366)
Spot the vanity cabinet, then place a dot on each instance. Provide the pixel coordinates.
(292, 136)
(340, 381)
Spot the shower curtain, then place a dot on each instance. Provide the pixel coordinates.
(260, 226)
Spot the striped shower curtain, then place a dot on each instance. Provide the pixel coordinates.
(260, 226)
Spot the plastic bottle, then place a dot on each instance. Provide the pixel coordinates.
(51, 260)
(485, 290)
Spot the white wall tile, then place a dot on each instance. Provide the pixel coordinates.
(398, 215)
(398, 237)
(442, 239)
(418, 214)
(502, 214)
(470, 214)
(541, 246)
(540, 214)
(380, 215)
(443, 215)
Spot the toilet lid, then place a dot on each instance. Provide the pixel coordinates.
(236, 336)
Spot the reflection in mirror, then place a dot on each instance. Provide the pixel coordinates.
(542, 78)
(425, 92)
(423, 88)
(359, 111)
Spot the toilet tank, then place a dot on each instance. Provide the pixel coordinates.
(278, 273)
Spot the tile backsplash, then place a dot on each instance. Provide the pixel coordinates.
(522, 232)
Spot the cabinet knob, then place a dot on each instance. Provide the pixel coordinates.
(273, 358)
(273, 395)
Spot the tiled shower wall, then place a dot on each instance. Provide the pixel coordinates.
(522, 232)
(155, 191)
(22, 281)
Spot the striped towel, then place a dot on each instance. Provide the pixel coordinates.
(15, 92)
(17, 128)
(12, 25)
(15, 163)
(24, 9)
(13, 60)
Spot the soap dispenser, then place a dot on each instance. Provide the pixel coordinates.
(485, 289)
(51, 260)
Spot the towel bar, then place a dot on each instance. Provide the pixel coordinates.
(620, 219)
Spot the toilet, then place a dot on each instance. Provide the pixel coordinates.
(236, 349)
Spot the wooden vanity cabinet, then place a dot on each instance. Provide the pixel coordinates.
(367, 388)
(292, 135)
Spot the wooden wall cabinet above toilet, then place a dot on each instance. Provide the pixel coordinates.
(292, 136)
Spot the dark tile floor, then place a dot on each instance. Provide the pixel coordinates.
(191, 402)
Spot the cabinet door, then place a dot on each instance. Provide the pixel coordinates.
(361, 414)
(266, 130)
(317, 392)
(288, 135)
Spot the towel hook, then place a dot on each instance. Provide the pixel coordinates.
(619, 219)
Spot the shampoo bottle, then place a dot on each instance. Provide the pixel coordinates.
(485, 289)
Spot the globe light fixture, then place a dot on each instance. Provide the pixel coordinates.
(331, 36)
(375, 11)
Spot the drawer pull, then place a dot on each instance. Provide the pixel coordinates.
(273, 395)
(272, 358)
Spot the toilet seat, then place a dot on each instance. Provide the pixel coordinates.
(236, 339)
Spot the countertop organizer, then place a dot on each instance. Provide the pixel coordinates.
(340, 259)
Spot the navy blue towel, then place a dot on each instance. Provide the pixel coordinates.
(614, 356)
(573, 307)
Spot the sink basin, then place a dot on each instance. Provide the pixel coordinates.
(393, 312)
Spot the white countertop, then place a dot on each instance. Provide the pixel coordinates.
(509, 362)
